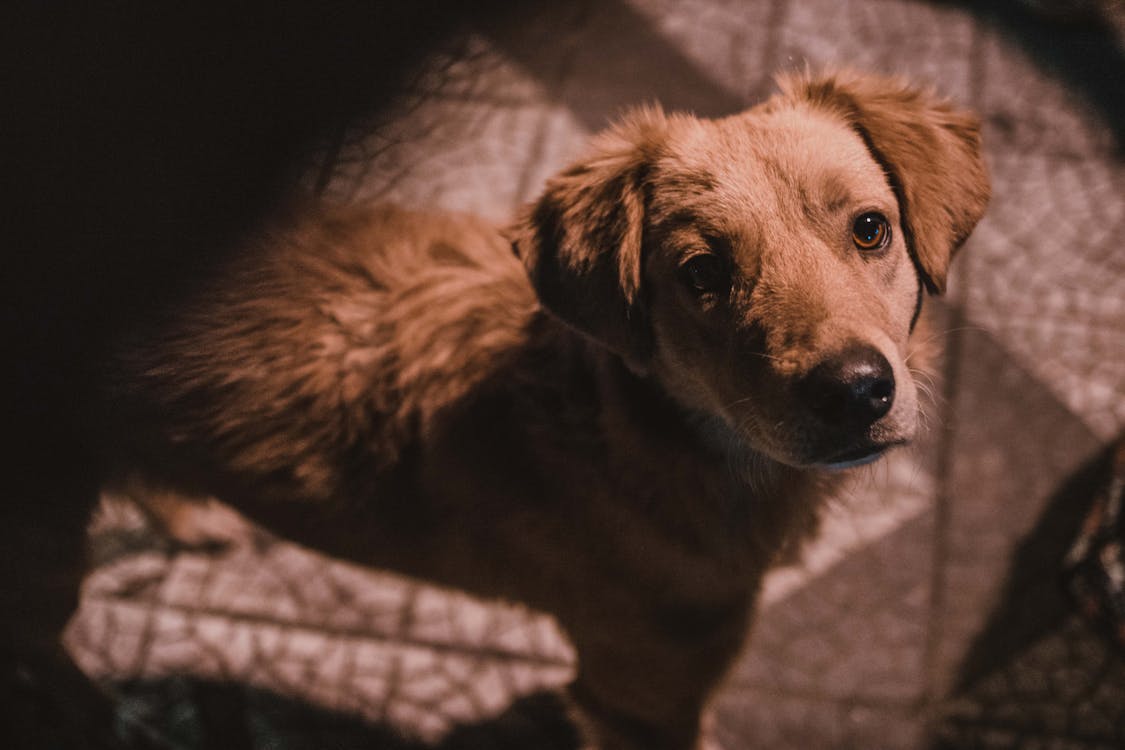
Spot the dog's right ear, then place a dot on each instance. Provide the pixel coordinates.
(930, 150)
(581, 242)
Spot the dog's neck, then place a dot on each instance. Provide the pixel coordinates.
(707, 477)
(634, 402)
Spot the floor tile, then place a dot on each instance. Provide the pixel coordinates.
(1012, 444)
(767, 720)
(1064, 690)
(415, 658)
(598, 58)
(454, 155)
(857, 631)
(1048, 277)
(927, 41)
(733, 41)
(1026, 97)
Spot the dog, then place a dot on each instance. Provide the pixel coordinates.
(620, 410)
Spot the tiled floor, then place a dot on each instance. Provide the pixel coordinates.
(928, 615)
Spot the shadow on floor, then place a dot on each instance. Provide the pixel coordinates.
(184, 713)
(1037, 671)
(1085, 53)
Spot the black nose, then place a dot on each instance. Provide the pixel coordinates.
(855, 387)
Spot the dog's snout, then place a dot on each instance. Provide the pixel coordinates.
(854, 387)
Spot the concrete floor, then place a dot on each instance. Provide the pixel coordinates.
(929, 614)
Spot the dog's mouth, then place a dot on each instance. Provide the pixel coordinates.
(854, 457)
(832, 452)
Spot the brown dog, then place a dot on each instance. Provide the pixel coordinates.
(717, 314)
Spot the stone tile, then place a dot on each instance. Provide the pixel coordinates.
(1028, 101)
(1048, 278)
(1065, 690)
(459, 138)
(879, 727)
(622, 60)
(855, 633)
(599, 57)
(447, 154)
(563, 140)
(1012, 444)
(540, 39)
(874, 504)
(1033, 601)
(472, 68)
(732, 40)
(774, 720)
(928, 42)
(767, 720)
(419, 659)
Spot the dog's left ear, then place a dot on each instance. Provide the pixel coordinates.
(581, 241)
(931, 153)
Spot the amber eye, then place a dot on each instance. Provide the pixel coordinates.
(871, 231)
(704, 273)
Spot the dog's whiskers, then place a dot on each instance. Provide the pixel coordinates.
(920, 346)
(738, 402)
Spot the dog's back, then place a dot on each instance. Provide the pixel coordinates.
(344, 330)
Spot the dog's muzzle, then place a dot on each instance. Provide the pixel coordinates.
(843, 396)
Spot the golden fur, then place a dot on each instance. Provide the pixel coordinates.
(573, 425)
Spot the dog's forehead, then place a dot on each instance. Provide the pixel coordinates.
(764, 163)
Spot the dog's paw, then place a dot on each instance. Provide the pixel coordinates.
(188, 521)
(709, 743)
(206, 524)
(707, 739)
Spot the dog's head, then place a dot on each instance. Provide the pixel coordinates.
(768, 268)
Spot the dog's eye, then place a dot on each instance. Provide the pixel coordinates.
(704, 273)
(871, 231)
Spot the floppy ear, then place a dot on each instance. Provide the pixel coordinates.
(931, 153)
(581, 241)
